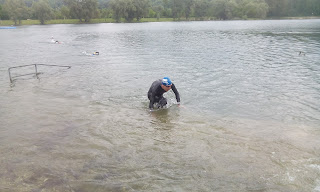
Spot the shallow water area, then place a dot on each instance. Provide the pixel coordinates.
(249, 118)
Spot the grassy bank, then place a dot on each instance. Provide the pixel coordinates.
(110, 20)
(76, 21)
(56, 21)
(290, 18)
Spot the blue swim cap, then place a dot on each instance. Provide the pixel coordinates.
(166, 81)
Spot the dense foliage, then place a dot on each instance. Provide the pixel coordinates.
(85, 10)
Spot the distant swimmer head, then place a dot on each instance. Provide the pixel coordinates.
(166, 81)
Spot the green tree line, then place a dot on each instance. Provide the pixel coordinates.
(130, 10)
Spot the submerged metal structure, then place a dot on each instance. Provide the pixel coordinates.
(35, 70)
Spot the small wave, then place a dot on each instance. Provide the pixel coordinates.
(317, 188)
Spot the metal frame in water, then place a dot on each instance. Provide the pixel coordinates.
(35, 67)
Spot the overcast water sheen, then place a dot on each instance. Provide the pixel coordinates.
(249, 118)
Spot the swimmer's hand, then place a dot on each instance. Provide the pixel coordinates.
(179, 105)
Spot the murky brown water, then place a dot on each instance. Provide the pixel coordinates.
(249, 119)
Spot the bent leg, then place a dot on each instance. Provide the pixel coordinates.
(163, 102)
(157, 102)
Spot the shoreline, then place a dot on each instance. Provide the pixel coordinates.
(143, 20)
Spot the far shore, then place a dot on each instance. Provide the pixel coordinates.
(110, 20)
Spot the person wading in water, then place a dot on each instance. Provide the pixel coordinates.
(156, 91)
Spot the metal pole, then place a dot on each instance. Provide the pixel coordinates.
(35, 66)
(10, 75)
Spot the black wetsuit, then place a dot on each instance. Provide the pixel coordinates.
(155, 94)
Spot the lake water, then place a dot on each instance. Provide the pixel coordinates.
(249, 118)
